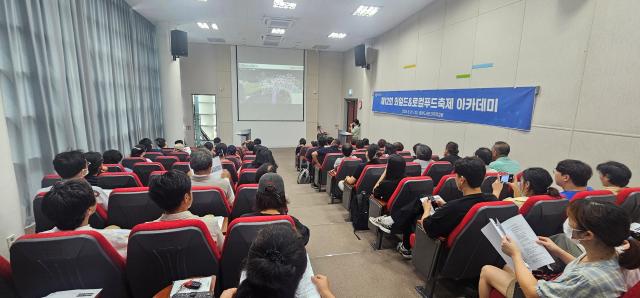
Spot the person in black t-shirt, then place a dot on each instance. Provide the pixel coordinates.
(451, 153)
(334, 147)
(470, 174)
(373, 152)
(390, 178)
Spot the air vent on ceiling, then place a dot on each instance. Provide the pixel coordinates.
(278, 22)
(216, 40)
(272, 38)
(270, 43)
(321, 47)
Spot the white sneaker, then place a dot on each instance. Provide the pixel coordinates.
(384, 223)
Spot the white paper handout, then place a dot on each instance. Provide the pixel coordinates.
(216, 167)
(84, 293)
(519, 231)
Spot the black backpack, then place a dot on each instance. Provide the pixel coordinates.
(359, 211)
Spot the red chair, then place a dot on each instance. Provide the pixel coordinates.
(131, 206)
(182, 156)
(209, 200)
(404, 153)
(231, 168)
(144, 170)
(346, 168)
(545, 214)
(166, 151)
(245, 200)
(408, 158)
(463, 253)
(247, 176)
(153, 155)
(447, 188)
(240, 234)
(249, 157)
(114, 168)
(408, 191)
(7, 288)
(155, 173)
(412, 169)
(361, 155)
(321, 171)
(43, 223)
(235, 159)
(50, 262)
(487, 187)
(437, 170)
(629, 200)
(633, 292)
(246, 164)
(111, 180)
(128, 162)
(364, 186)
(160, 252)
(595, 195)
(167, 161)
(184, 167)
(50, 180)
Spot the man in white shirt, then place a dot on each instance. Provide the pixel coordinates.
(73, 165)
(70, 204)
(201, 164)
(171, 191)
(347, 149)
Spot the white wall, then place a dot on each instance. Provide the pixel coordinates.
(210, 69)
(11, 212)
(582, 53)
(173, 113)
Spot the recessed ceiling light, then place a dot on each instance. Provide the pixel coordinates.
(202, 0)
(203, 25)
(279, 31)
(214, 26)
(337, 35)
(366, 11)
(284, 4)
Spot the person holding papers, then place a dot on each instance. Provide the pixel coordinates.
(600, 228)
(171, 191)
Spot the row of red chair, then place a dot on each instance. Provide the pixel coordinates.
(157, 254)
(132, 206)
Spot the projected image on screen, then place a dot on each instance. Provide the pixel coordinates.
(270, 92)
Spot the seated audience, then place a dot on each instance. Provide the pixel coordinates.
(359, 144)
(257, 146)
(365, 142)
(73, 165)
(277, 265)
(451, 153)
(138, 151)
(263, 169)
(332, 146)
(171, 191)
(470, 173)
(263, 156)
(423, 156)
(220, 150)
(148, 145)
(600, 228)
(373, 153)
(271, 200)
(208, 146)
(301, 143)
(398, 146)
(389, 149)
(161, 143)
(95, 167)
(614, 176)
(390, 179)
(486, 155)
(382, 143)
(180, 146)
(501, 161)
(217, 140)
(112, 157)
(248, 146)
(347, 149)
(232, 151)
(572, 175)
(535, 182)
(201, 164)
(69, 205)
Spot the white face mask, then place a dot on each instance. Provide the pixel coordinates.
(568, 231)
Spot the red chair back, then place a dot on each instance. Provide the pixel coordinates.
(404, 153)
(447, 188)
(368, 178)
(50, 180)
(50, 262)
(43, 223)
(128, 162)
(629, 200)
(153, 155)
(408, 191)
(144, 170)
(247, 176)
(111, 180)
(437, 170)
(182, 156)
(167, 161)
(155, 173)
(231, 168)
(545, 214)
(595, 195)
(181, 166)
(131, 206)
(114, 168)
(171, 250)
(209, 200)
(245, 200)
(412, 169)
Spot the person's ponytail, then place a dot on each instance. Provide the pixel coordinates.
(553, 192)
(630, 258)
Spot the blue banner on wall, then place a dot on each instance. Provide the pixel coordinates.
(504, 107)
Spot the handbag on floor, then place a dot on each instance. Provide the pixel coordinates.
(303, 176)
(359, 211)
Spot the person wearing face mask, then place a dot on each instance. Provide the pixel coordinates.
(599, 272)
(470, 173)
(535, 182)
(70, 203)
(73, 165)
(171, 191)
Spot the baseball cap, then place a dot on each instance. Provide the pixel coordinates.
(271, 180)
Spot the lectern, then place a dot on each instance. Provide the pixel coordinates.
(344, 136)
(244, 134)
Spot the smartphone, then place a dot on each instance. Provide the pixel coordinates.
(506, 178)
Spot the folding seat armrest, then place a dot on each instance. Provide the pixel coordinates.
(347, 195)
(376, 208)
(426, 252)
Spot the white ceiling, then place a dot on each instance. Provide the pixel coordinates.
(241, 22)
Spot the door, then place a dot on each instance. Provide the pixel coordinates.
(204, 118)
(352, 112)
